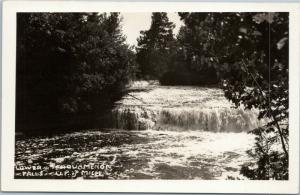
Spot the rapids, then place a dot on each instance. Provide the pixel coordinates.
(197, 131)
(181, 108)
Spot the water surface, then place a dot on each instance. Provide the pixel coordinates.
(160, 132)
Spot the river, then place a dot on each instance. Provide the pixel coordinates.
(160, 132)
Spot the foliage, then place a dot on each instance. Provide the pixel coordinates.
(249, 52)
(69, 64)
(270, 164)
(184, 77)
(155, 46)
(191, 57)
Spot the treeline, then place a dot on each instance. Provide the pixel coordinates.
(211, 47)
(170, 59)
(71, 68)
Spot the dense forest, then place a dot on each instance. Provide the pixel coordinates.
(72, 67)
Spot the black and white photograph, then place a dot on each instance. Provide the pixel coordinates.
(152, 95)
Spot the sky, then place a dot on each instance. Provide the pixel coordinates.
(133, 23)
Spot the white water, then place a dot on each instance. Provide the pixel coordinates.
(181, 108)
(174, 133)
(194, 131)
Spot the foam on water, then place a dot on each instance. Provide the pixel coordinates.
(188, 154)
(188, 133)
(181, 108)
(148, 154)
(195, 132)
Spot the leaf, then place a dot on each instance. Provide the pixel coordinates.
(61, 50)
(282, 42)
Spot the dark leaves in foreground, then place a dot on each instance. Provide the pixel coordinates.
(249, 52)
(69, 65)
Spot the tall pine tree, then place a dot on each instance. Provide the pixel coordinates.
(155, 46)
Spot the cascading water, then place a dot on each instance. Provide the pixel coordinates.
(191, 132)
(217, 120)
(160, 133)
(182, 108)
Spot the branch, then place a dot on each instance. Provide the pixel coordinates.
(137, 98)
(271, 111)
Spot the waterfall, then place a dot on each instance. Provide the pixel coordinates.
(217, 120)
(134, 118)
(182, 108)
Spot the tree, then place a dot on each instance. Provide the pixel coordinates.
(69, 65)
(155, 46)
(263, 84)
(195, 48)
(249, 52)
